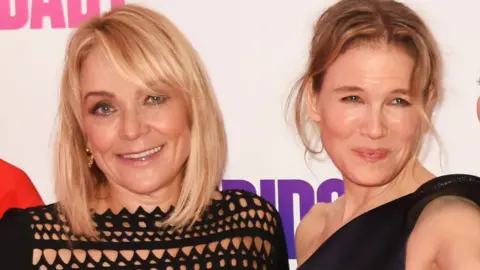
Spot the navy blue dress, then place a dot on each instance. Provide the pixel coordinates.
(378, 238)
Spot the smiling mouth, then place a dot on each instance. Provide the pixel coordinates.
(142, 155)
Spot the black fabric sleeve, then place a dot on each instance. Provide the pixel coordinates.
(280, 252)
(15, 240)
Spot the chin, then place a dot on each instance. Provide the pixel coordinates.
(143, 191)
(369, 178)
(147, 186)
(369, 183)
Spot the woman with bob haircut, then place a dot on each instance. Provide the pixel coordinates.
(372, 82)
(139, 156)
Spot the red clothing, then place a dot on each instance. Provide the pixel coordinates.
(16, 189)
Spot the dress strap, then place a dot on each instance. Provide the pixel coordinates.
(461, 185)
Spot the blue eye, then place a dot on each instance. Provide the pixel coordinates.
(154, 100)
(102, 109)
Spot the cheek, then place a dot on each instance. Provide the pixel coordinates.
(101, 133)
(338, 121)
(404, 124)
(172, 122)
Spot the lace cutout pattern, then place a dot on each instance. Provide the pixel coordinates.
(236, 232)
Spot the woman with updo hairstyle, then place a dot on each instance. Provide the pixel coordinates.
(373, 80)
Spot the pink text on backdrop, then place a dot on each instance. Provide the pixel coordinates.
(285, 190)
(36, 16)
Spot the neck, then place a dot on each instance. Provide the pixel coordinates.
(119, 197)
(360, 199)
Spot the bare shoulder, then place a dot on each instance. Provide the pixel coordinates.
(309, 231)
(446, 215)
(447, 234)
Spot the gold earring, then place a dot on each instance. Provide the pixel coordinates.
(90, 157)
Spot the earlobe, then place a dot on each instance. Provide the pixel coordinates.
(87, 143)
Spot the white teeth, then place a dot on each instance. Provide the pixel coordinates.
(144, 154)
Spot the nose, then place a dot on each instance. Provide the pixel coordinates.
(374, 123)
(133, 126)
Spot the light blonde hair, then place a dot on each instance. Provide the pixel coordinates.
(351, 23)
(146, 48)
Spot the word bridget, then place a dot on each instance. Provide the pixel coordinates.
(284, 190)
(17, 14)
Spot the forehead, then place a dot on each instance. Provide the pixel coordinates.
(98, 73)
(371, 68)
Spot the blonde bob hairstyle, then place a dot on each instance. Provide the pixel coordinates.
(350, 23)
(148, 50)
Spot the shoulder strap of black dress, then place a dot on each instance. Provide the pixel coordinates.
(462, 185)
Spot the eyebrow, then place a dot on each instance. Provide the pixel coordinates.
(351, 88)
(100, 93)
(401, 91)
(348, 88)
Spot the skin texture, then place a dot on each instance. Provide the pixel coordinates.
(120, 118)
(370, 126)
(364, 103)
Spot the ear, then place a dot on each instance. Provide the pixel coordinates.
(312, 102)
(87, 143)
(431, 102)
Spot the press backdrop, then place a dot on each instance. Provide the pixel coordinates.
(254, 51)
